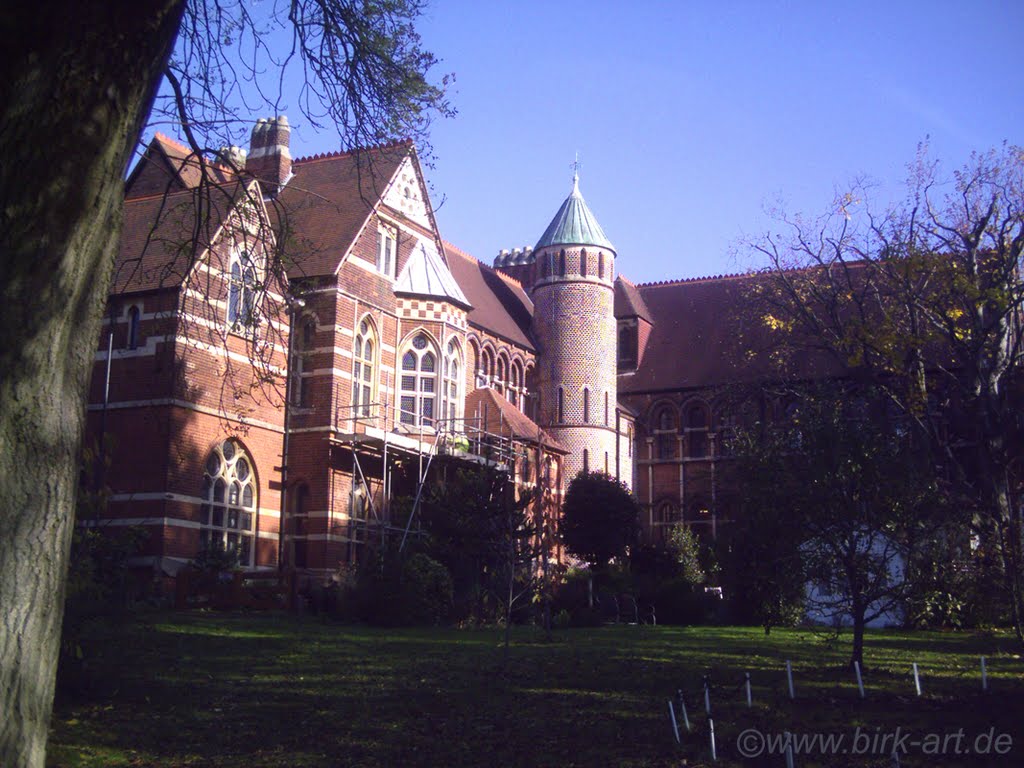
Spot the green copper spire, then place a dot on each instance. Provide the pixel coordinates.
(574, 224)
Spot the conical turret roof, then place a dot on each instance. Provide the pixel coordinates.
(574, 224)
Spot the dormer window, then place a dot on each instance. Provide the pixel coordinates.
(386, 251)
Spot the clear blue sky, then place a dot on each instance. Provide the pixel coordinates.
(690, 117)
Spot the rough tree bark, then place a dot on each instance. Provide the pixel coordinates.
(81, 77)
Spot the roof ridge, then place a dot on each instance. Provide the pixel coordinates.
(169, 140)
(700, 279)
(348, 152)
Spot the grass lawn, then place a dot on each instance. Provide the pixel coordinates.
(250, 691)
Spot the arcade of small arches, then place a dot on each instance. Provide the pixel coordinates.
(502, 371)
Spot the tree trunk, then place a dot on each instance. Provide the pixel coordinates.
(857, 654)
(81, 78)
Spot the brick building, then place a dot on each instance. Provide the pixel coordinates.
(286, 369)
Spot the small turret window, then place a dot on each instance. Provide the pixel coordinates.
(583, 264)
(600, 265)
(561, 264)
(586, 405)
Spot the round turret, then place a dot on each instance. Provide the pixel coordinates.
(574, 324)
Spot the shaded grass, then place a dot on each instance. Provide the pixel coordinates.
(197, 689)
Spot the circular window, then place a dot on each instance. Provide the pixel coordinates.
(420, 342)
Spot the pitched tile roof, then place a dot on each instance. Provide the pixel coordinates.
(500, 305)
(498, 416)
(707, 333)
(160, 240)
(628, 301)
(425, 274)
(328, 200)
(170, 166)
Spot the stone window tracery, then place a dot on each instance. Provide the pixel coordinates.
(418, 383)
(363, 369)
(228, 510)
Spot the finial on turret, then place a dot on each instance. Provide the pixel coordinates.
(576, 174)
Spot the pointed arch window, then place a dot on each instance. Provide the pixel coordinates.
(665, 432)
(606, 422)
(600, 265)
(561, 405)
(583, 263)
(586, 460)
(561, 264)
(134, 315)
(228, 510)
(586, 405)
(697, 430)
(452, 385)
(419, 383)
(363, 369)
(486, 367)
(499, 376)
(515, 382)
(242, 292)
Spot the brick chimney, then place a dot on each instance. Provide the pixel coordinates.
(269, 158)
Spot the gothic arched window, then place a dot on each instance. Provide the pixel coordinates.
(134, 316)
(242, 291)
(586, 405)
(515, 382)
(665, 432)
(363, 369)
(697, 430)
(228, 510)
(452, 382)
(419, 383)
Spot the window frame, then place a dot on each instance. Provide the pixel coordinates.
(364, 368)
(420, 394)
(230, 454)
(242, 310)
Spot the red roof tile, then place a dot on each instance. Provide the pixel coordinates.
(159, 237)
(707, 333)
(169, 166)
(327, 202)
(499, 416)
(628, 301)
(500, 305)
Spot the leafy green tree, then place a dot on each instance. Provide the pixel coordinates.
(923, 299)
(845, 491)
(485, 537)
(80, 80)
(685, 547)
(600, 519)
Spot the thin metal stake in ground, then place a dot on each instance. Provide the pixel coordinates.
(789, 750)
(686, 716)
(707, 696)
(750, 701)
(675, 726)
(917, 683)
(711, 730)
(789, 678)
(984, 675)
(860, 680)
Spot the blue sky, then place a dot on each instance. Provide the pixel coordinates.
(690, 117)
